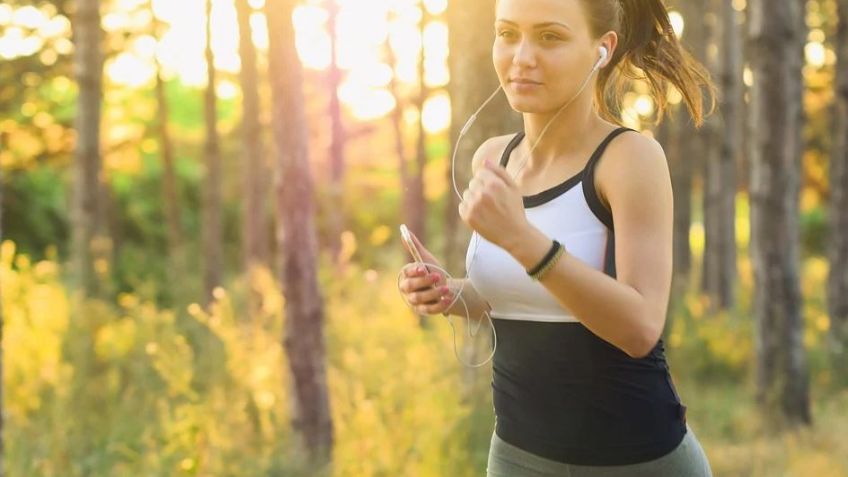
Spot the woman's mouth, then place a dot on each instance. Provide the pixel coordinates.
(523, 85)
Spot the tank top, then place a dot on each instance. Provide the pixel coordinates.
(560, 391)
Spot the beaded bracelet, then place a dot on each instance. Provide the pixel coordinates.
(541, 273)
(547, 262)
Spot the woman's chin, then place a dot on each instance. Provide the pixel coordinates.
(523, 105)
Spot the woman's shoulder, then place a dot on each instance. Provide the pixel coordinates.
(492, 149)
(632, 149)
(631, 157)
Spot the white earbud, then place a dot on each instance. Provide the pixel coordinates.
(604, 53)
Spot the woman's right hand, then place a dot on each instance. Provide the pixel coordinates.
(425, 288)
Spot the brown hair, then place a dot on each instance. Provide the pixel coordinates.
(648, 49)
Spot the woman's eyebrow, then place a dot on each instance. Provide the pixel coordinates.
(538, 25)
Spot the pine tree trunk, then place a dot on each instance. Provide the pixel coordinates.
(398, 137)
(668, 134)
(170, 193)
(304, 309)
(418, 211)
(473, 79)
(86, 221)
(711, 172)
(776, 34)
(686, 156)
(256, 171)
(212, 253)
(254, 179)
(337, 139)
(720, 172)
(838, 247)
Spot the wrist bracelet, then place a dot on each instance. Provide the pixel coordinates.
(555, 246)
(548, 266)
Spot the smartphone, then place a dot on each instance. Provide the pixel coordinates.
(406, 236)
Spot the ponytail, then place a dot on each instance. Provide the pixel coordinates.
(649, 50)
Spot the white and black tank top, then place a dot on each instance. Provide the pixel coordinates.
(559, 390)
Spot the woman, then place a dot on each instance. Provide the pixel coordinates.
(574, 257)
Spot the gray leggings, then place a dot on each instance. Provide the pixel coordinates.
(686, 460)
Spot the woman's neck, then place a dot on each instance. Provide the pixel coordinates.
(565, 137)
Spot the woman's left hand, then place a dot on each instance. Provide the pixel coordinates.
(493, 206)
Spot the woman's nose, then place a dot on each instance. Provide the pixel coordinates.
(524, 55)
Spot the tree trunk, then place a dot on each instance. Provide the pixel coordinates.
(397, 129)
(668, 134)
(776, 34)
(473, 79)
(212, 253)
(720, 171)
(418, 203)
(255, 252)
(688, 149)
(682, 171)
(86, 219)
(837, 285)
(337, 139)
(304, 339)
(170, 192)
(411, 172)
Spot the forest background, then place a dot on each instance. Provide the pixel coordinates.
(200, 250)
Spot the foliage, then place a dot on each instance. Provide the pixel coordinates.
(129, 388)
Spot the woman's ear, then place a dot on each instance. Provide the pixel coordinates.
(609, 40)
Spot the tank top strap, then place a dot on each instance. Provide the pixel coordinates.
(599, 151)
(589, 191)
(512, 145)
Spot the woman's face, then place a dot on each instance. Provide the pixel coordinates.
(543, 51)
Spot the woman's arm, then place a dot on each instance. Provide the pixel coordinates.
(629, 311)
(477, 306)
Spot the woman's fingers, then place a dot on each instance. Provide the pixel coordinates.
(435, 307)
(425, 290)
(417, 283)
(430, 296)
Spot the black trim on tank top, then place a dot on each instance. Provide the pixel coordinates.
(587, 172)
(609, 254)
(601, 212)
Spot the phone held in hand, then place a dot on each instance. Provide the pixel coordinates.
(410, 244)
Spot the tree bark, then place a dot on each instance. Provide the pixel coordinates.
(685, 158)
(304, 310)
(85, 212)
(837, 285)
(255, 177)
(337, 138)
(417, 202)
(776, 34)
(255, 247)
(720, 172)
(473, 79)
(397, 129)
(212, 253)
(170, 192)
(669, 135)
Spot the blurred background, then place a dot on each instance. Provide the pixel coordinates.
(200, 248)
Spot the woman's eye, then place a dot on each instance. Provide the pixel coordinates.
(549, 37)
(505, 34)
